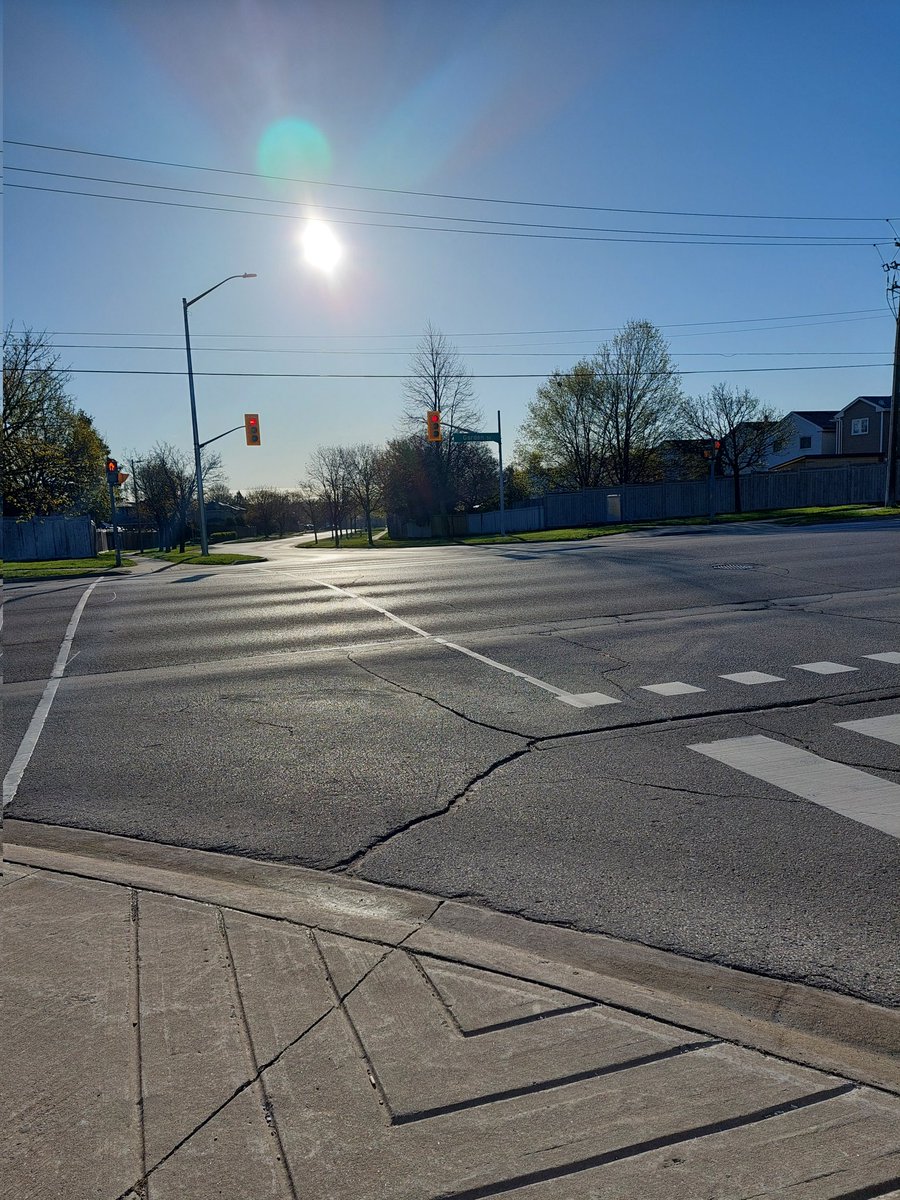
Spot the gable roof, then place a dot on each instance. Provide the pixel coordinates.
(822, 417)
(880, 402)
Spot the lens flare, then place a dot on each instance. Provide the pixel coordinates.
(321, 249)
(294, 149)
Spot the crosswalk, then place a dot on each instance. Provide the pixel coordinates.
(752, 678)
(852, 793)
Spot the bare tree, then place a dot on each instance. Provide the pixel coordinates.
(330, 475)
(639, 394)
(564, 426)
(269, 510)
(365, 474)
(169, 488)
(311, 507)
(439, 381)
(746, 429)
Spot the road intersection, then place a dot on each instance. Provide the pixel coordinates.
(688, 740)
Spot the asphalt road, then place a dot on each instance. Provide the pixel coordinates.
(544, 728)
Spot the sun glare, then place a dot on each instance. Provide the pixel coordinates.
(321, 249)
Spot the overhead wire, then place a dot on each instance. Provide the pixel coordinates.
(434, 195)
(817, 239)
(676, 240)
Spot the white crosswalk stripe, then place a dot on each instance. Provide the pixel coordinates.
(846, 790)
(887, 729)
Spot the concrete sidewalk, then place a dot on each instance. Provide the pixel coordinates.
(182, 1026)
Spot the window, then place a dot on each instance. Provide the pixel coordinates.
(805, 443)
(860, 425)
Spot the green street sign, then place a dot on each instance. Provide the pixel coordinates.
(476, 437)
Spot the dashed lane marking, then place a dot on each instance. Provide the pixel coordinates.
(824, 668)
(845, 790)
(584, 700)
(891, 656)
(671, 689)
(753, 677)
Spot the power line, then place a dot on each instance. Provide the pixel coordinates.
(500, 375)
(680, 240)
(655, 212)
(856, 313)
(818, 239)
(510, 352)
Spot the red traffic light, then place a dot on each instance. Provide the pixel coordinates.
(251, 428)
(433, 426)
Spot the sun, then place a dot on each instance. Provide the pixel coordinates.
(321, 249)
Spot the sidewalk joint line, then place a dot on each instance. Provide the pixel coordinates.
(484, 1191)
(268, 1112)
(135, 1002)
(340, 1005)
(547, 1085)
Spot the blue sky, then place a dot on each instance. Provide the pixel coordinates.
(757, 109)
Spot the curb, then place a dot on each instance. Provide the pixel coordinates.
(826, 1030)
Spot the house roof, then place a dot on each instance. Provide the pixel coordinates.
(822, 417)
(879, 402)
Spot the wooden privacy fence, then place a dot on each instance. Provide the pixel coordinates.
(48, 537)
(662, 501)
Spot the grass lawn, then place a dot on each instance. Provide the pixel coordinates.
(193, 558)
(64, 568)
(780, 516)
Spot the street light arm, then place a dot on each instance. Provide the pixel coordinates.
(245, 275)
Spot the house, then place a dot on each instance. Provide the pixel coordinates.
(861, 427)
(811, 433)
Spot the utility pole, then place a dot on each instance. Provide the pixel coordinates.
(502, 500)
(890, 483)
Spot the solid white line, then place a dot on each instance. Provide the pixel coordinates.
(587, 700)
(845, 790)
(886, 729)
(13, 776)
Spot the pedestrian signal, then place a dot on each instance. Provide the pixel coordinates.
(433, 426)
(112, 471)
(251, 428)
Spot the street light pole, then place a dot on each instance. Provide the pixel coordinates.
(186, 304)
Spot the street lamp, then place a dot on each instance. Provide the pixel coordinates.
(186, 304)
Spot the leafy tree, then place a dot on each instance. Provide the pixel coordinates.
(564, 428)
(746, 428)
(406, 483)
(51, 455)
(639, 393)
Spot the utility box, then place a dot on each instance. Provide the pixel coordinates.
(614, 507)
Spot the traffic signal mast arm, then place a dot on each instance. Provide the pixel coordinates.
(220, 435)
(234, 429)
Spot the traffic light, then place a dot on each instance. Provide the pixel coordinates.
(433, 426)
(251, 428)
(112, 471)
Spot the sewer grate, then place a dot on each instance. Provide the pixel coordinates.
(734, 566)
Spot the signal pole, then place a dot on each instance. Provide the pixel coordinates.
(890, 483)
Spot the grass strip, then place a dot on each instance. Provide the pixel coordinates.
(193, 558)
(780, 516)
(64, 568)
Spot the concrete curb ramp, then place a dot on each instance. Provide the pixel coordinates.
(187, 1025)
